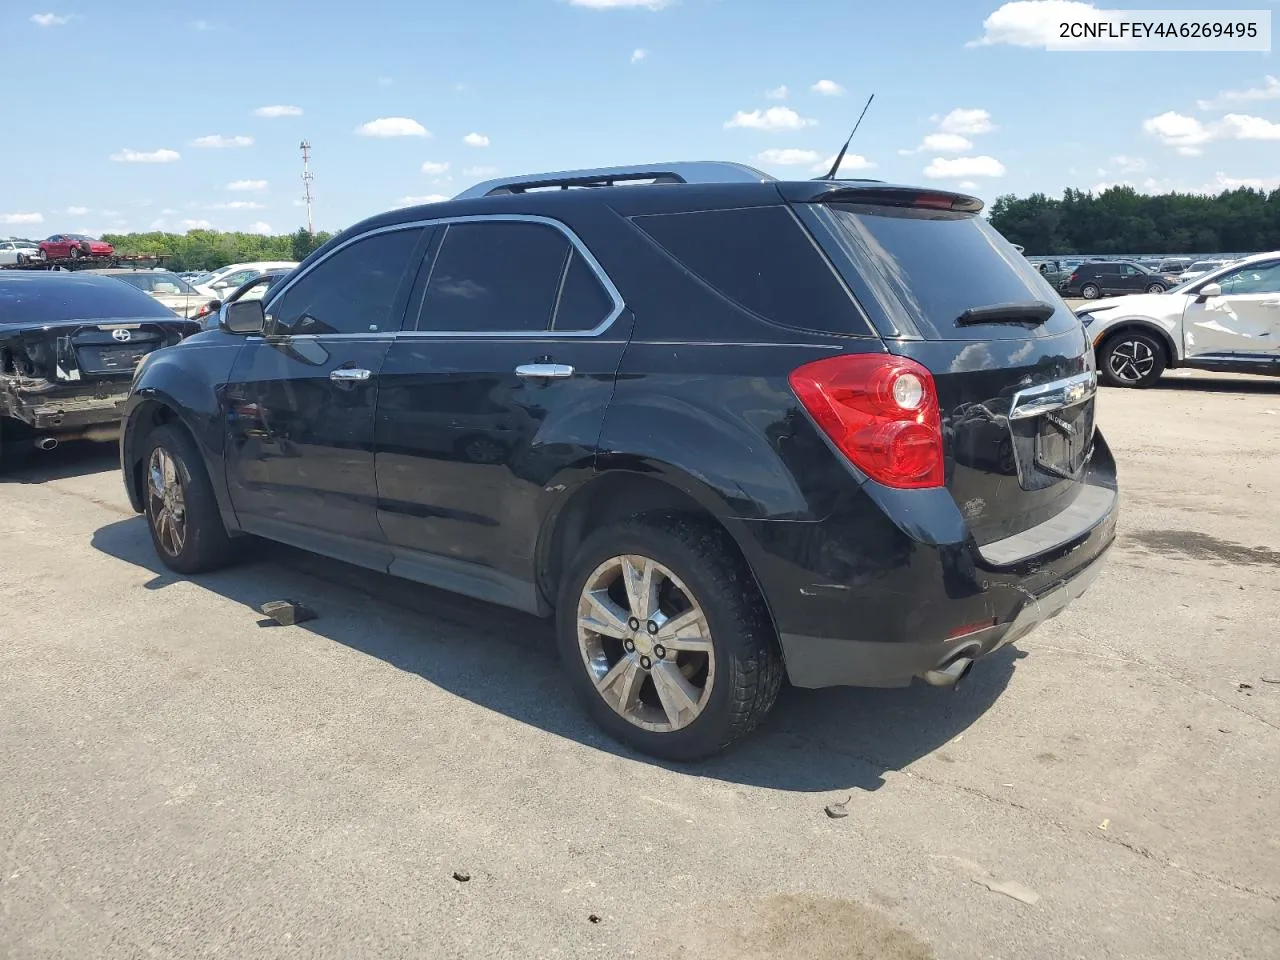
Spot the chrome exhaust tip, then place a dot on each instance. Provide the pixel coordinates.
(46, 443)
(949, 674)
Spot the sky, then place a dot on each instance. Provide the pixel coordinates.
(134, 116)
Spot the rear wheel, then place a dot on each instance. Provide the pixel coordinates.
(1091, 291)
(182, 514)
(74, 253)
(1131, 358)
(1156, 288)
(666, 639)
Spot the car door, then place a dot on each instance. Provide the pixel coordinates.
(1243, 322)
(300, 402)
(1131, 279)
(498, 384)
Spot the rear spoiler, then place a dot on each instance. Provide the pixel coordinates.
(877, 193)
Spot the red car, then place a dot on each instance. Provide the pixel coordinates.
(74, 245)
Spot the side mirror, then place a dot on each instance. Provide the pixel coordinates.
(244, 317)
(1207, 291)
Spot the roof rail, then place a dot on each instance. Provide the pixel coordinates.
(687, 171)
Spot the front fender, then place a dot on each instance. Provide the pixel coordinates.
(184, 383)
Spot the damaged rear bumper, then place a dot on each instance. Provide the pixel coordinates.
(50, 408)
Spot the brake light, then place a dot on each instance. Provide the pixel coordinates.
(1074, 274)
(881, 412)
(933, 201)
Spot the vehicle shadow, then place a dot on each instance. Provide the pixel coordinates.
(815, 740)
(74, 459)
(1240, 384)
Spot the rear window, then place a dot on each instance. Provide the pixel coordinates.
(762, 259)
(925, 268)
(55, 299)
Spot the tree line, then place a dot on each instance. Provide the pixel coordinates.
(211, 249)
(1121, 220)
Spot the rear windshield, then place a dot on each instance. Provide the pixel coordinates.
(924, 268)
(51, 298)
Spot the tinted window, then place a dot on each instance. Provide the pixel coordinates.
(927, 267)
(165, 283)
(584, 303)
(494, 277)
(353, 291)
(54, 298)
(762, 259)
(1256, 278)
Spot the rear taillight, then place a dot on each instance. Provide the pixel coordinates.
(1074, 275)
(881, 412)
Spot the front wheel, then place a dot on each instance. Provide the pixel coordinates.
(182, 514)
(1091, 291)
(666, 638)
(1131, 359)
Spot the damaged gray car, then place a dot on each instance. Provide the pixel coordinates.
(69, 345)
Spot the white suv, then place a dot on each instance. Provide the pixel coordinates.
(1227, 320)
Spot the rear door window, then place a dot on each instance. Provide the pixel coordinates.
(926, 267)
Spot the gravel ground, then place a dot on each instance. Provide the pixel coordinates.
(178, 780)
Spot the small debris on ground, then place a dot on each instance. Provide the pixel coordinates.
(287, 612)
(1012, 889)
(1271, 679)
(593, 918)
(1103, 825)
(837, 810)
(460, 876)
(1245, 686)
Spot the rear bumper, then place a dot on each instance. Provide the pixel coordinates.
(62, 410)
(894, 586)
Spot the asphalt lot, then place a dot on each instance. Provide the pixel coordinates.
(177, 780)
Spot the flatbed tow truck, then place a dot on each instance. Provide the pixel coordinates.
(140, 261)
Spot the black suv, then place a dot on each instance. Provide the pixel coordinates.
(1101, 278)
(726, 429)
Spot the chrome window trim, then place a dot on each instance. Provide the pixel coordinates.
(1034, 401)
(619, 305)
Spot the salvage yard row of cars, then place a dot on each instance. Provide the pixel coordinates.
(556, 400)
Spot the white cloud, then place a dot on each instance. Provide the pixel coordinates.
(966, 122)
(168, 212)
(941, 143)
(968, 185)
(1188, 135)
(1176, 130)
(480, 172)
(201, 25)
(983, 166)
(772, 119)
(260, 227)
(218, 141)
(1031, 23)
(50, 19)
(251, 186)
(1270, 90)
(197, 225)
(1129, 164)
(777, 93)
(789, 157)
(638, 54)
(434, 168)
(385, 81)
(852, 163)
(77, 211)
(828, 88)
(141, 156)
(278, 110)
(619, 4)
(1236, 126)
(239, 205)
(21, 219)
(159, 224)
(417, 201)
(392, 127)
(476, 140)
(1222, 182)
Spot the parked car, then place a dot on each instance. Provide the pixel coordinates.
(19, 251)
(1100, 278)
(75, 246)
(254, 289)
(1199, 268)
(69, 343)
(1227, 321)
(1174, 267)
(1054, 271)
(165, 287)
(219, 283)
(701, 516)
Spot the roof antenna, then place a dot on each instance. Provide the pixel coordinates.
(840, 156)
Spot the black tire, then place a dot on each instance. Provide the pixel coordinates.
(22, 258)
(1156, 288)
(1131, 358)
(205, 544)
(748, 664)
(1091, 291)
(74, 253)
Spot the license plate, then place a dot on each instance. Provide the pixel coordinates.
(1064, 439)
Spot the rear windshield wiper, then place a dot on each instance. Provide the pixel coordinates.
(1026, 311)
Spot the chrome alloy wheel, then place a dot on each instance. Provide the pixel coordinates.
(645, 643)
(168, 506)
(1131, 360)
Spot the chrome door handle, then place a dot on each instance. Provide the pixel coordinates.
(348, 373)
(544, 371)
(1271, 303)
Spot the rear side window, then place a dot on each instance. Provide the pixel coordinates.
(927, 267)
(762, 259)
(497, 277)
(584, 302)
(353, 291)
